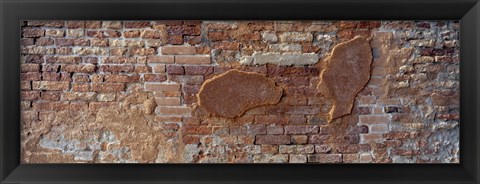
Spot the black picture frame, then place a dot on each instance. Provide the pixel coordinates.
(467, 11)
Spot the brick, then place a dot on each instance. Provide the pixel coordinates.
(33, 32)
(255, 129)
(45, 23)
(274, 130)
(29, 95)
(177, 50)
(75, 32)
(131, 34)
(136, 24)
(297, 158)
(154, 77)
(373, 119)
(365, 158)
(297, 119)
(296, 149)
(70, 96)
(87, 68)
(175, 70)
(272, 139)
(30, 76)
(158, 68)
(50, 106)
(371, 137)
(301, 129)
(142, 69)
(160, 59)
(389, 102)
(269, 149)
(270, 120)
(44, 41)
(168, 101)
(366, 99)
(56, 33)
(299, 139)
(121, 78)
(50, 76)
(162, 87)
(325, 158)
(108, 87)
(198, 70)
(380, 128)
(190, 59)
(318, 139)
(80, 87)
(115, 68)
(155, 34)
(25, 85)
(183, 111)
(50, 85)
(63, 59)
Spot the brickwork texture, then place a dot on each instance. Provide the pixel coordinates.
(240, 91)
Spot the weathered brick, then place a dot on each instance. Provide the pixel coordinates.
(183, 111)
(33, 32)
(272, 139)
(30, 95)
(168, 101)
(136, 24)
(115, 68)
(270, 120)
(325, 158)
(162, 87)
(192, 59)
(63, 59)
(301, 129)
(373, 119)
(198, 70)
(175, 70)
(30, 76)
(299, 139)
(154, 77)
(108, 87)
(177, 50)
(50, 85)
(317, 138)
(274, 130)
(295, 149)
(160, 59)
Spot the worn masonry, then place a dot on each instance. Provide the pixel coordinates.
(240, 91)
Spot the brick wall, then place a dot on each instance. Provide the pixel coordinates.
(127, 91)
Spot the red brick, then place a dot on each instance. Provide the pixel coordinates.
(33, 32)
(30, 95)
(325, 158)
(373, 119)
(160, 59)
(108, 87)
(301, 129)
(116, 68)
(93, 24)
(88, 68)
(121, 78)
(272, 139)
(80, 87)
(177, 50)
(154, 77)
(168, 101)
(44, 41)
(175, 70)
(318, 139)
(131, 34)
(274, 130)
(192, 59)
(136, 24)
(75, 24)
(270, 120)
(63, 59)
(50, 85)
(50, 76)
(299, 139)
(142, 69)
(184, 111)
(25, 85)
(198, 70)
(30, 76)
(162, 87)
(191, 139)
(50, 106)
(45, 23)
(94, 106)
(118, 59)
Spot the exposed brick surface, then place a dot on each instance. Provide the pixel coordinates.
(128, 92)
